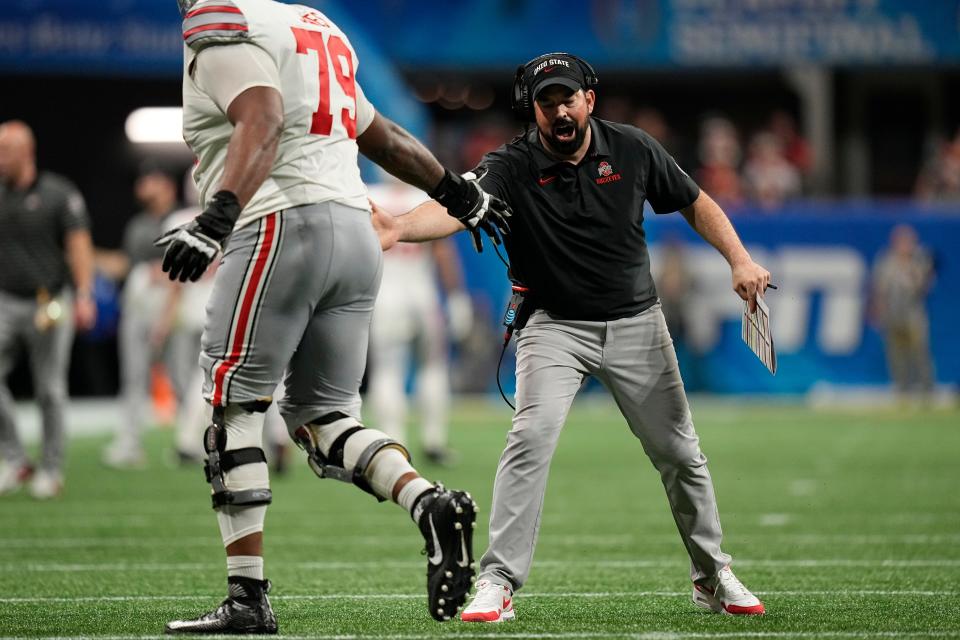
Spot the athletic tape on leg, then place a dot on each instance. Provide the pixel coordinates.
(348, 452)
(244, 432)
(236, 466)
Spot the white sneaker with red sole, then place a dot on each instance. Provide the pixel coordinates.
(492, 603)
(726, 594)
(46, 485)
(13, 476)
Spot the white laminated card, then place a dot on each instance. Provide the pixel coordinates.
(757, 334)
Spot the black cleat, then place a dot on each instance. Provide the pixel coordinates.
(441, 457)
(246, 610)
(446, 520)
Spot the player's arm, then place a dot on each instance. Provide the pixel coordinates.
(79, 253)
(79, 256)
(458, 304)
(244, 82)
(448, 265)
(257, 118)
(400, 154)
(708, 219)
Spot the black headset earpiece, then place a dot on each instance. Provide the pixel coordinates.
(588, 73)
(520, 102)
(520, 98)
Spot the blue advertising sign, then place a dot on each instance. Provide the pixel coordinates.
(137, 37)
(821, 256)
(143, 38)
(619, 34)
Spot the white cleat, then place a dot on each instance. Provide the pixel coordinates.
(13, 476)
(46, 484)
(726, 594)
(492, 603)
(122, 456)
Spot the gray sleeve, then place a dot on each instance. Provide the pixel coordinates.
(493, 172)
(128, 245)
(73, 213)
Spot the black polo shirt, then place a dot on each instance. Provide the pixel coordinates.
(577, 237)
(33, 225)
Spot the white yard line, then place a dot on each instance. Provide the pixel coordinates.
(399, 564)
(641, 635)
(380, 541)
(213, 541)
(521, 596)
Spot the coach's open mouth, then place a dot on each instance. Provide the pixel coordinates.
(564, 131)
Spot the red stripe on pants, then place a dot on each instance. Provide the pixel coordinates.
(236, 349)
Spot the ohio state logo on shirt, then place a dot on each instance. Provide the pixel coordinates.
(605, 169)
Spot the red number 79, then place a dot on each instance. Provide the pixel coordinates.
(322, 123)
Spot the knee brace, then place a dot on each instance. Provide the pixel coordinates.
(238, 476)
(339, 447)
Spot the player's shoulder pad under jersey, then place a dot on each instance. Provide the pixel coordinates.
(214, 22)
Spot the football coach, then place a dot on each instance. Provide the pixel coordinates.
(577, 186)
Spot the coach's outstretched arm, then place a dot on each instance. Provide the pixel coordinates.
(393, 148)
(708, 219)
(429, 221)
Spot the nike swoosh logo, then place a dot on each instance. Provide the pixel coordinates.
(464, 554)
(545, 181)
(549, 70)
(437, 556)
(506, 602)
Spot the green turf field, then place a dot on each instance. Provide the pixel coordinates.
(846, 524)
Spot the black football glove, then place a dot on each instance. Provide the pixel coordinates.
(466, 201)
(191, 247)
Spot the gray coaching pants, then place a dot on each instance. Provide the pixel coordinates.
(294, 293)
(49, 354)
(634, 358)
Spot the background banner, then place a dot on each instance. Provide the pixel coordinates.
(126, 37)
(821, 257)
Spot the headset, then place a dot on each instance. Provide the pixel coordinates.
(520, 102)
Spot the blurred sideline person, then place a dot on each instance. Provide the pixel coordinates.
(147, 312)
(184, 316)
(939, 178)
(186, 330)
(409, 328)
(275, 116)
(45, 248)
(769, 177)
(902, 278)
(186, 309)
(577, 185)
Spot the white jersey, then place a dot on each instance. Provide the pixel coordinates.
(408, 304)
(407, 264)
(324, 106)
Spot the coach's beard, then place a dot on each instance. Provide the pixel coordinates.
(566, 136)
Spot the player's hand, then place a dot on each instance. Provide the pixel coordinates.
(476, 209)
(191, 247)
(459, 315)
(385, 225)
(749, 281)
(85, 311)
(189, 251)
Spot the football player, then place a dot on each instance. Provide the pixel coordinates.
(410, 328)
(276, 117)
